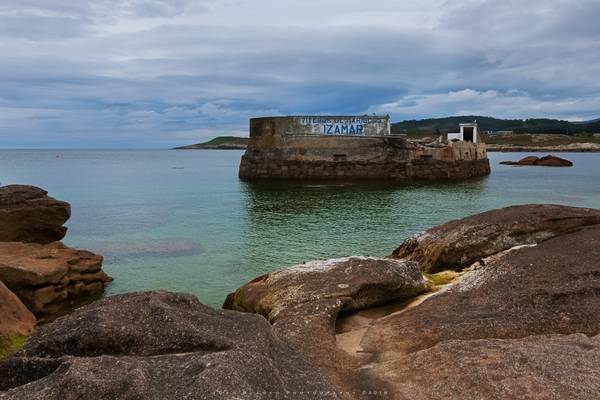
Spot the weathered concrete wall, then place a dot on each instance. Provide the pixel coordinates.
(276, 153)
(332, 125)
(421, 170)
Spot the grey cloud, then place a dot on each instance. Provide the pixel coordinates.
(161, 8)
(170, 69)
(106, 8)
(36, 27)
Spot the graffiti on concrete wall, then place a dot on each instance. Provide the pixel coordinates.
(348, 126)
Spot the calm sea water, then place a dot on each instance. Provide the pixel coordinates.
(182, 221)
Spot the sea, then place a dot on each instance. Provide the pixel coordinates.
(182, 220)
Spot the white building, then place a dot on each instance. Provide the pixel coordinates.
(469, 132)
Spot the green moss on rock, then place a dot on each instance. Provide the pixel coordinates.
(441, 278)
(10, 344)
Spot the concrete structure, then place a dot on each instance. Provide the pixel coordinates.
(469, 132)
(353, 147)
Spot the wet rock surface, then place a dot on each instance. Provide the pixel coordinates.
(28, 214)
(47, 277)
(459, 243)
(159, 345)
(304, 301)
(546, 161)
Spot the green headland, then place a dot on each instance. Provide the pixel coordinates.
(219, 143)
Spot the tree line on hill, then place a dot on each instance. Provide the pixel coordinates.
(531, 125)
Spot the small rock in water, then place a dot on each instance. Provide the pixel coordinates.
(546, 161)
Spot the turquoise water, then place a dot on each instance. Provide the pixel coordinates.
(182, 221)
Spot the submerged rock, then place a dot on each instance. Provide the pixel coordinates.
(159, 345)
(459, 243)
(303, 302)
(28, 214)
(47, 277)
(546, 161)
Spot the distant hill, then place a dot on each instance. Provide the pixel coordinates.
(433, 126)
(592, 120)
(219, 143)
(438, 126)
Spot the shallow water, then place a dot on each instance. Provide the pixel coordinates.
(182, 221)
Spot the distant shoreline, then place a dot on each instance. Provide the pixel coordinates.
(218, 143)
(210, 148)
(240, 143)
(570, 148)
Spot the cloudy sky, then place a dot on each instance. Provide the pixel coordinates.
(158, 73)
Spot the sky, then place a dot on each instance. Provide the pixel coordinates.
(161, 73)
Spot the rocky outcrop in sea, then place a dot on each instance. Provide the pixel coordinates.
(28, 214)
(38, 273)
(47, 277)
(546, 161)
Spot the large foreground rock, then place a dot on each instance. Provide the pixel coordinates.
(552, 287)
(535, 367)
(28, 214)
(458, 243)
(525, 324)
(303, 302)
(15, 318)
(159, 345)
(49, 277)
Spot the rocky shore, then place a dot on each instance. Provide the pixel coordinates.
(572, 147)
(39, 276)
(503, 304)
